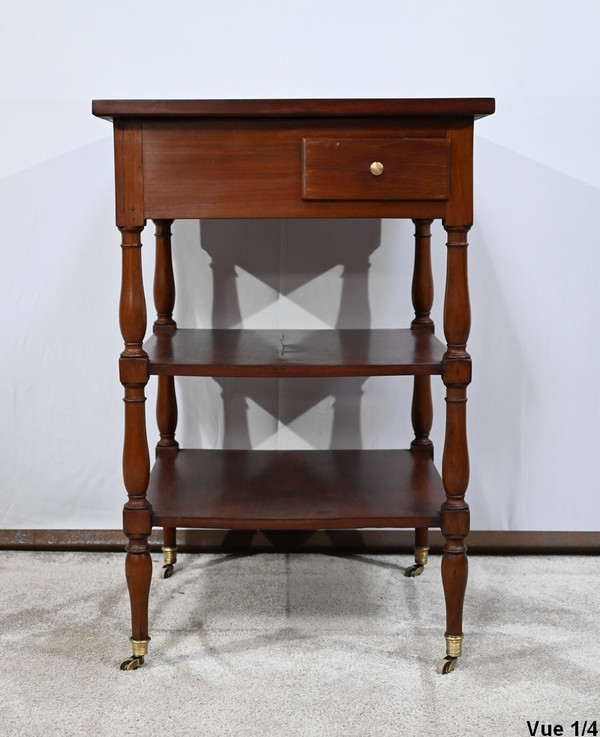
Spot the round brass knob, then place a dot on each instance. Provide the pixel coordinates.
(376, 168)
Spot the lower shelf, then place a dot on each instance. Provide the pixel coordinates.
(295, 490)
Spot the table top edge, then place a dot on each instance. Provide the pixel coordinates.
(475, 107)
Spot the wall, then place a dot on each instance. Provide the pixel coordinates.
(534, 419)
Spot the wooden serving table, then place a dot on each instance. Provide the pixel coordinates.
(294, 159)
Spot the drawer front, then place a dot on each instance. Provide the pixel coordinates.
(376, 168)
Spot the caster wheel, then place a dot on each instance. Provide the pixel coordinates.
(413, 571)
(167, 571)
(132, 663)
(447, 665)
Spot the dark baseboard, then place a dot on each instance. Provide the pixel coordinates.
(333, 541)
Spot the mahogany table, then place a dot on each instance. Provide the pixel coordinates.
(294, 159)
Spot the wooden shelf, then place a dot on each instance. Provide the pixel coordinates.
(294, 490)
(273, 353)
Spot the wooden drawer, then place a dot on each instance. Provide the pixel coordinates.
(403, 168)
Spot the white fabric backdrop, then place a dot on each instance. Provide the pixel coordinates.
(534, 419)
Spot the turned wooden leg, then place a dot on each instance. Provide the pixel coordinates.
(166, 401)
(137, 513)
(422, 281)
(164, 279)
(422, 405)
(455, 524)
(164, 299)
(138, 572)
(455, 463)
(422, 298)
(422, 418)
(166, 415)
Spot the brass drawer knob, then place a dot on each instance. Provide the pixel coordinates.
(376, 168)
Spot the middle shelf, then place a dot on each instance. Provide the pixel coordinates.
(300, 353)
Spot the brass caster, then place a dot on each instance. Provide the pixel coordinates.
(447, 665)
(414, 570)
(132, 663)
(170, 558)
(140, 649)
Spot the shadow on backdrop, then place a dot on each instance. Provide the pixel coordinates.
(285, 256)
